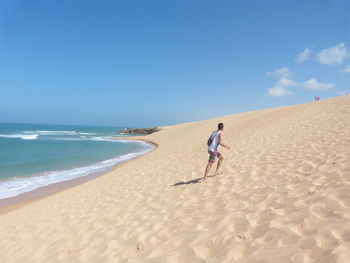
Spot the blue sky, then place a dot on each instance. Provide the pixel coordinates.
(145, 63)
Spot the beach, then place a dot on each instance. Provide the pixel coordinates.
(283, 196)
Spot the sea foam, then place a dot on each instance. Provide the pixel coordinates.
(19, 185)
(21, 136)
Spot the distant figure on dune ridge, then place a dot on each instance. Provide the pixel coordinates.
(214, 141)
(317, 97)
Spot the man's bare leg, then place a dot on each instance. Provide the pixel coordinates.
(218, 165)
(207, 169)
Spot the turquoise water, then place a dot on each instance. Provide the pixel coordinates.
(35, 155)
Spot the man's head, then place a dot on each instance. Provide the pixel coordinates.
(220, 126)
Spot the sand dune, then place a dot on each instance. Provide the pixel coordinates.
(283, 196)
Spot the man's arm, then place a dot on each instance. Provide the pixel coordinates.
(221, 142)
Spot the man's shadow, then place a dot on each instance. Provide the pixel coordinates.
(194, 181)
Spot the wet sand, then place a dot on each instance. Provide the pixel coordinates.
(15, 202)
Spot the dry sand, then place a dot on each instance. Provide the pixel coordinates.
(284, 196)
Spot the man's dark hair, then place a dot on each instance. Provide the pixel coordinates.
(220, 126)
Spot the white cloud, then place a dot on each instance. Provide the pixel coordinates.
(278, 92)
(343, 92)
(284, 81)
(347, 69)
(314, 84)
(333, 55)
(282, 72)
(304, 55)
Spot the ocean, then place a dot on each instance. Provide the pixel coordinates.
(36, 155)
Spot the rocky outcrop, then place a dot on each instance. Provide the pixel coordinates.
(142, 131)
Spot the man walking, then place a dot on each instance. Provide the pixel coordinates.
(214, 141)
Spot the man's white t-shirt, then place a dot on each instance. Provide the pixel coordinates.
(214, 146)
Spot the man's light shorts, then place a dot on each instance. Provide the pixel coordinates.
(213, 155)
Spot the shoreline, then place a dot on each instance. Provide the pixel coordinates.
(14, 202)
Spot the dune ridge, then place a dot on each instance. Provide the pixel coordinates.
(283, 196)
